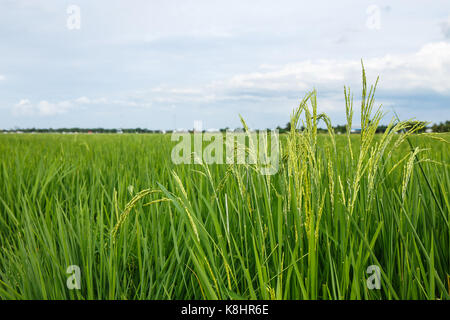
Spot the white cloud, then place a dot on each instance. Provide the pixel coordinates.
(273, 86)
(46, 108)
(23, 107)
(86, 100)
(2, 77)
(43, 108)
(105, 101)
(427, 69)
(83, 100)
(183, 91)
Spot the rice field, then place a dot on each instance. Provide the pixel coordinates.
(141, 227)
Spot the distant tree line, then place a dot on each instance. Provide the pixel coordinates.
(83, 130)
(441, 127)
(437, 127)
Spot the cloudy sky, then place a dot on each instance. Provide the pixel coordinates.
(164, 64)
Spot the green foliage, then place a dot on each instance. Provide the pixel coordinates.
(441, 127)
(141, 227)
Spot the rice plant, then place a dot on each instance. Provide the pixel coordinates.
(337, 205)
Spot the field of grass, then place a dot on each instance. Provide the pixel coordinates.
(141, 227)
